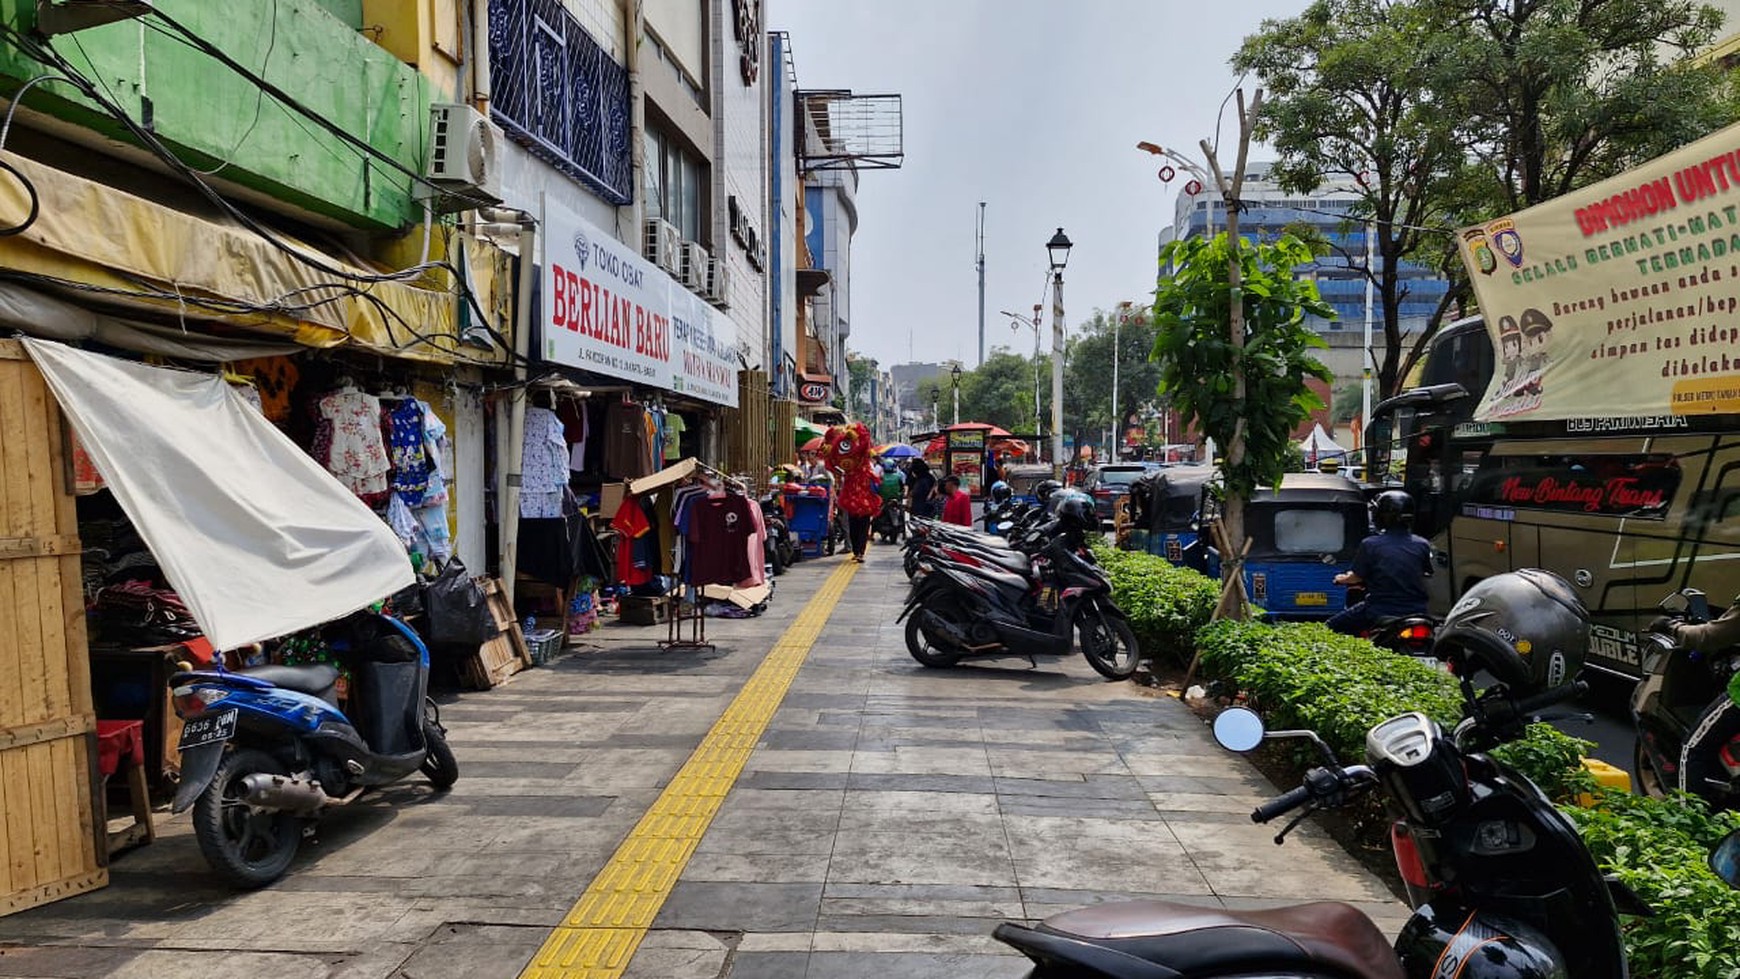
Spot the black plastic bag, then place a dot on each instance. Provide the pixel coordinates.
(458, 611)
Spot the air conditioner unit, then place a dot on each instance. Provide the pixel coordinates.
(464, 157)
(659, 241)
(718, 290)
(692, 267)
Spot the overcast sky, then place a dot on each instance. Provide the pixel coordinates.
(1035, 107)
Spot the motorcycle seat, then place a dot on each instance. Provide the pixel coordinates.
(996, 576)
(1324, 936)
(316, 680)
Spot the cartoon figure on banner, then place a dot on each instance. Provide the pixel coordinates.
(1509, 347)
(1523, 349)
(847, 450)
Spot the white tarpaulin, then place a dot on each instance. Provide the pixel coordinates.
(254, 535)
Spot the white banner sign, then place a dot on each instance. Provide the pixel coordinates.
(610, 311)
(703, 355)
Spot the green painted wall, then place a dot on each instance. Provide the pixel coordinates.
(212, 117)
(348, 11)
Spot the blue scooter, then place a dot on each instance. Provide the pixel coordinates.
(266, 749)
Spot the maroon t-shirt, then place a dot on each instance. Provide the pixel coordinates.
(719, 529)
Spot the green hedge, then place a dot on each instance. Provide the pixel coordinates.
(1166, 605)
(1306, 676)
(1303, 675)
(1660, 848)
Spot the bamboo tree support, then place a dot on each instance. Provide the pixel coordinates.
(1232, 584)
(1233, 600)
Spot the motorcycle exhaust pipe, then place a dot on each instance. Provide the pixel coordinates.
(302, 796)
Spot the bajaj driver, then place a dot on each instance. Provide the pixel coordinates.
(1393, 565)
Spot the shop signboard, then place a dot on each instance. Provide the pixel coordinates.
(967, 458)
(610, 311)
(814, 392)
(1618, 299)
(704, 358)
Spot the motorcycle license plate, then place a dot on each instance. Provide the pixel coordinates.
(1317, 598)
(208, 728)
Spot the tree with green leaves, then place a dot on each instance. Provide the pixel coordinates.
(1088, 370)
(1552, 95)
(1440, 113)
(1351, 90)
(1247, 392)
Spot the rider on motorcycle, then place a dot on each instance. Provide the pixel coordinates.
(1702, 755)
(1392, 564)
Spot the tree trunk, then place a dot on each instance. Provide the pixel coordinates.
(1232, 603)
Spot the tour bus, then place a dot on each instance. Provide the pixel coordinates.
(1627, 509)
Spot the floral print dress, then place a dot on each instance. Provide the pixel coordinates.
(355, 452)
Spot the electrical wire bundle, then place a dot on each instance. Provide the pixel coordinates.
(348, 282)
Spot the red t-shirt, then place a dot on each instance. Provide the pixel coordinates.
(631, 522)
(958, 509)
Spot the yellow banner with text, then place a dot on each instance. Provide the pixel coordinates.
(1618, 299)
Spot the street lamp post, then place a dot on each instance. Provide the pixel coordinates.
(1017, 321)
(1058, 249)
(955, 375)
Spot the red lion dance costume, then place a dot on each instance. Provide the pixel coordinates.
(847, 452)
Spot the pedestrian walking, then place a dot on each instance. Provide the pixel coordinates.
(957, 506)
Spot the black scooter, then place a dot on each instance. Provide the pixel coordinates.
(958, 610)
(890, 522)
(1502, 885)
(1678, 686)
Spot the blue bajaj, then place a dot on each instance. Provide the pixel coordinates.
(265, 750)
(1302, 535)
(1164, 515)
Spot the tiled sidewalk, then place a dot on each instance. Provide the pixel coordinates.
(891, 816)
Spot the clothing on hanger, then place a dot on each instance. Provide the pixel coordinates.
(724, 523)
(543, 465)
(627, 441)
(402, 423)
(636, 547)
(353, 450)
(674, 429)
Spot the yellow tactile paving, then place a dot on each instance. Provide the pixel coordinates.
(601, 932)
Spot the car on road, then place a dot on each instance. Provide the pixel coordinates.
(1111, 481)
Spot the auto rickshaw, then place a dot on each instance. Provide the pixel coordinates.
(1023, 478)
(1163, 510)
(1302, 535)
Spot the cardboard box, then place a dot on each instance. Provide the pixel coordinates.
(610, 497)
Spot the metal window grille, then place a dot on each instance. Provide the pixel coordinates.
(560, 95)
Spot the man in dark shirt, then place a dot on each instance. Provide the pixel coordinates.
(1392, 564)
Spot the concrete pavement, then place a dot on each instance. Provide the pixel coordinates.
(888, 818)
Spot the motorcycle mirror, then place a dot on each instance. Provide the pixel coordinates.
(1238, 729)
(1725, 859)
(1674, 603)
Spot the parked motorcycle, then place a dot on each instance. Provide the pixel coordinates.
(780, 549)
(890, 523)
(1678, 686)
(961, 608)
(265, 750)
(1502, 885)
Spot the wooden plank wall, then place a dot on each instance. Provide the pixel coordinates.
(49, 837)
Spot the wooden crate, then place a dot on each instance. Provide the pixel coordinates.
(51, 845)
(504, 655)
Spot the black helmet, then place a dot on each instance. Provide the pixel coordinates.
(1526, 628)
(1074, 510)
(1000, 493)
(1043, 489)
(1394, 508)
